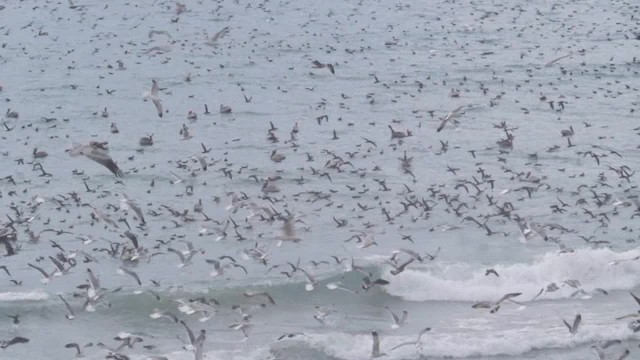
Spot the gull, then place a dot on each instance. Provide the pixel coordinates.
(203, 162)
(368, 284)
(79, 349)
(16, 340)
(146, 140)
(602, 356)
(225, 109)
(496, 306)
(127, 202)
(311, 282)
(98, 215)
(322, 312)
(242, 326)
(288, 233)
(211, 41)
(558, 59)
(122, 271)
(573, 329)
(397, 269)
(262, 293)
(184, 260)
(277, 157)
(39, 154)
(45, 276)
(94, 285)
(4, 267)
(70, 313)
(397, 321)
(192, 307)
(12, 114)
(97, 152)
(291, 335)
(153, 96)
(176, 178)
(156, 314)
(415, 343)
(375, 349)
(259, 210)
(636, 314)
(195, 343)
(450, 116)
(529, 230)
(60, 270)
(217, 269)
(336, 286)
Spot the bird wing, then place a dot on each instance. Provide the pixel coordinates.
(102, 157)
(177, 253)
(218, 35)
(508, 296)
(95, 283)
(393, 315)
(154, 88)
(158, 105)
(424, 331)
(375, 349)
(403, 317)
(44, 273)
(576, 323)
(137, 210)
(443, 123)
(131, 273)
(192, 338)
(637, 299)
(57, 263)
(66, 304)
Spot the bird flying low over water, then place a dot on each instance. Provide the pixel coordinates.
(97, 151)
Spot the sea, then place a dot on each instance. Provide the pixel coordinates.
(356, 197)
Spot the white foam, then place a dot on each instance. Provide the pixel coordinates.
(463, 343)
(464, 282)
(257, 354)
(35, 295)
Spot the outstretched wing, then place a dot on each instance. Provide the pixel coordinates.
(102, 157)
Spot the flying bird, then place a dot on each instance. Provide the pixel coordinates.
(97, 152)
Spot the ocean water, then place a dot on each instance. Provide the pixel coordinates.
(399, 64)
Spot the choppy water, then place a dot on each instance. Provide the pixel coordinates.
(394, 64)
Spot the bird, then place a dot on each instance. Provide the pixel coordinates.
(153, 96)
(573, 328)
(415, 343)
(97, 152)
(79, 350)
(45, 275)
(146, 140)
(16, 340)
(127, 202)
(375, 348)
(277, 157)
(124, 270)
(450, 116)
(70, 315)
(398, 321)
(261, 293)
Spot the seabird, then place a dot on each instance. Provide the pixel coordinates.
(398, 321)
(573, 328)
(450, 116)
(375, 348)
(97, 152)
(153, 96)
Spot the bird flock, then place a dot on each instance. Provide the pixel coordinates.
(304, 165)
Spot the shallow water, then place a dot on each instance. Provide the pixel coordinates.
(493, 54)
